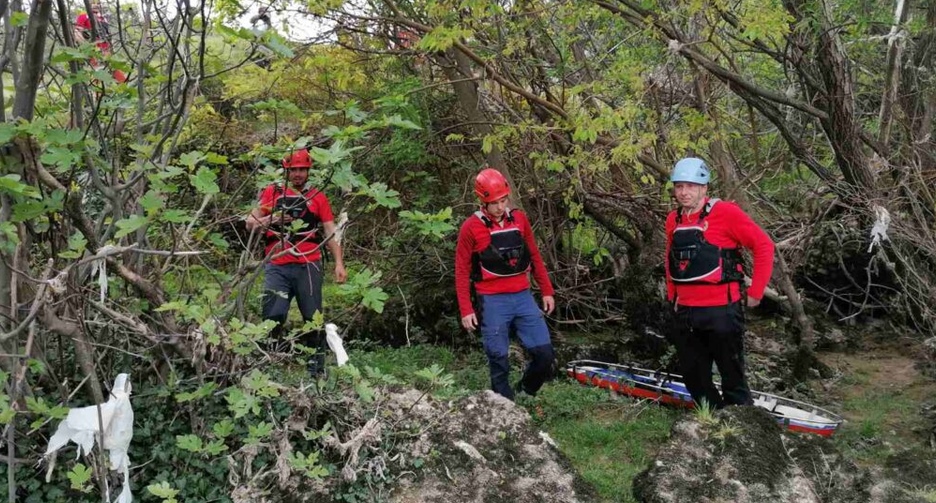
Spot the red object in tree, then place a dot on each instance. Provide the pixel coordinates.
(83, 25)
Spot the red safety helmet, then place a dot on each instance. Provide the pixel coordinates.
(491, 185)
(299, 159)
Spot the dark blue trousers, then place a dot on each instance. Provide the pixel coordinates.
(303, 282)
(703, 335)
(502, 314)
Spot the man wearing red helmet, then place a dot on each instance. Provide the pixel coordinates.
(294, 251)
(496, 252)
(83, 33)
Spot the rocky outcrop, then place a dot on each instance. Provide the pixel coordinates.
(483, 449)
(742, 455)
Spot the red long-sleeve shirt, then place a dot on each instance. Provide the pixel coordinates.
(728, 227)
(474, 237)
(303, 250)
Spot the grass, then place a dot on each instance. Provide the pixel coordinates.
(468, 370)
(880, 418)
(608, 439)
(926, 494)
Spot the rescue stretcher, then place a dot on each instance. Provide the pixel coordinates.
(669, 389)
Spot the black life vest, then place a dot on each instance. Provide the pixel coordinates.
(296, 206)
(693, 260)
(507, 255)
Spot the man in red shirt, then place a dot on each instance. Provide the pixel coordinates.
(496, 252)
(704, 275)
(83, 33)
(294, 249)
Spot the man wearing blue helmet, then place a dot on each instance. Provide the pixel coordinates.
(704, 278)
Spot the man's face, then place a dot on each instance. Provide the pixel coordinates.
(690, 196)
(497, 208)
(297, 176)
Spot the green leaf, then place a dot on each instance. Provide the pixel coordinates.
(62, 157)
(7, 131)
(152, 202)
(374, 299)
(204, 181)
(189, 443)
(388, 198)
(241, 403)
(242, 33)
(260, 430)
(11, 184)
(129, 225)
(28, 210)
(79, 476)
(37, 406)
(442, 38)
(192, 158)
(163, 490)
(218, 240)
(223, 428)
(6, 411)
(216, 159)
(8, 237)
(175, 216)
(364, 391)
(77, 244)
(397, 121)
(204, 391)
(275, 42)
(19, 19)
(215, 447)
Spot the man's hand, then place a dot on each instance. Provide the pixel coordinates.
(549, 303)
(280, 217)
(470, 322)
(752, 302)
(341, 275)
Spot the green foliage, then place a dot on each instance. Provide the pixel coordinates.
(79, 477)
(435, 225)
(704, 413)
(925, 494)
(363, 286)
(442, 38)
(308, 465)
(44, 411)
(435, 377)
(468, 372)
(163, 490)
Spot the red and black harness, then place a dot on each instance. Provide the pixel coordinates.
(507, 255)
(693, 260)
(298, 208)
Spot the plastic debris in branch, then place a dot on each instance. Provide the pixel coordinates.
(879, 230)
(334, 343)
(82, 425)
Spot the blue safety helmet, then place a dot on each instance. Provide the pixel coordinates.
(692, 170)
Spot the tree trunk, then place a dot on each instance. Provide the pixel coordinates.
(27, 86)
(457, 68)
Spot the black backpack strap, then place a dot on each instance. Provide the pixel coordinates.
(487, 221)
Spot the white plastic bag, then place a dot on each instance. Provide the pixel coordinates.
(82, 425)
(334, 342)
